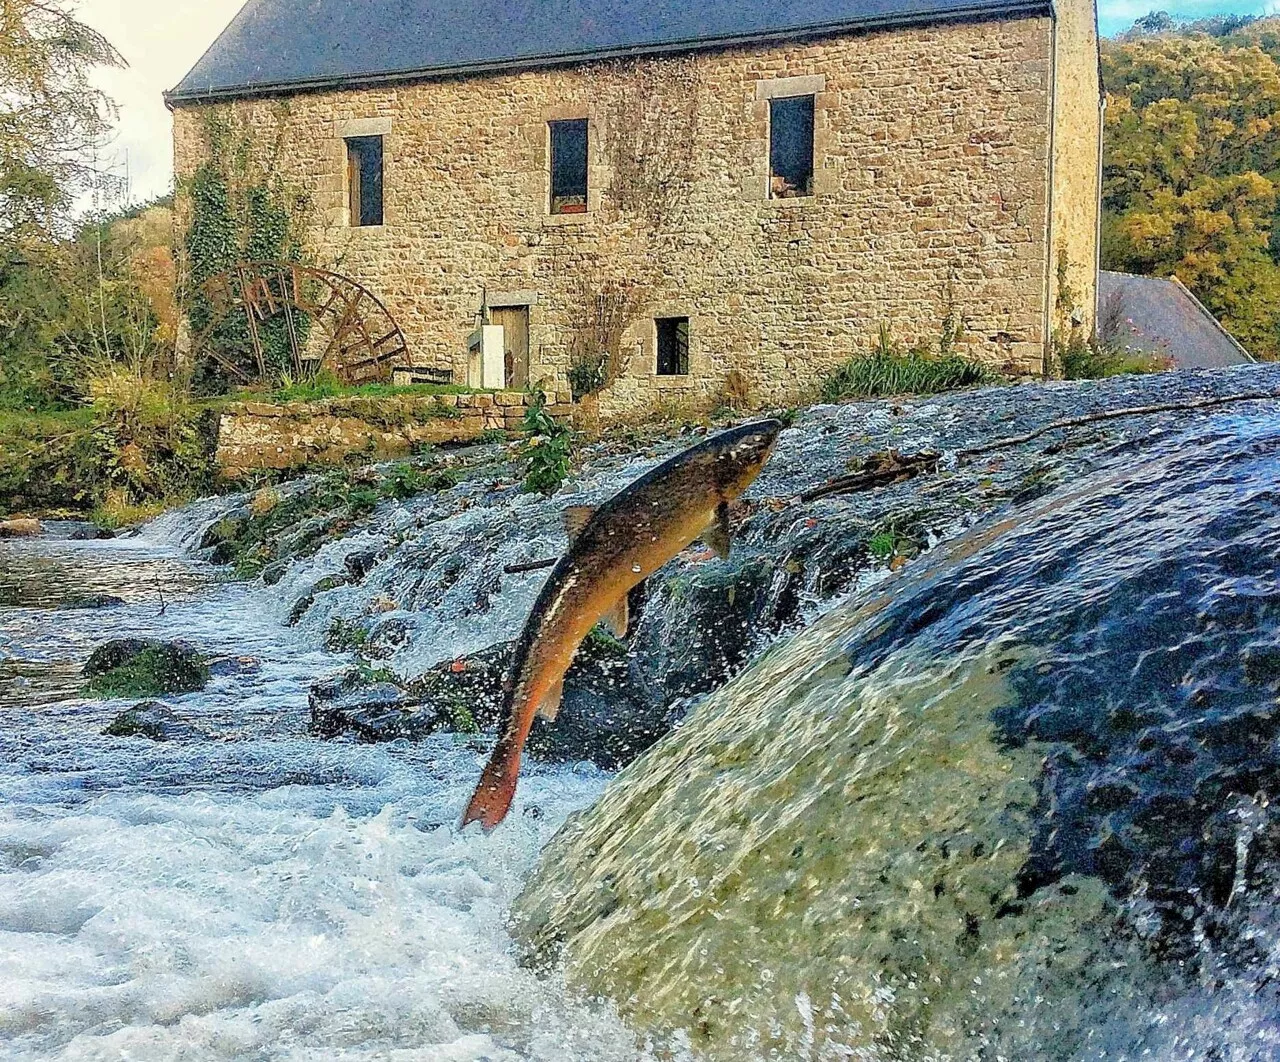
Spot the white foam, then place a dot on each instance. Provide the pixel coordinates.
(275, 925)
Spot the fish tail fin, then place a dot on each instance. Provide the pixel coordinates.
(492, 798)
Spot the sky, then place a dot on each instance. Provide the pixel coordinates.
(162, 39)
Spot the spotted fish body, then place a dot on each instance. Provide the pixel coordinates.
(624, 542)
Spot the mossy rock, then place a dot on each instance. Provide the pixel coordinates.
(138, 667)
(153, 721)
(825, 862)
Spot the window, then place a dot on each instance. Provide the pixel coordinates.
(569, 167)
(673, 346)
(364, 180)
(791, 147)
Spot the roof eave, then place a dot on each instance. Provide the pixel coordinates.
(973, 13)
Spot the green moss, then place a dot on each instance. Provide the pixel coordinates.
(151, 673)
(461, 719)
(345, 636)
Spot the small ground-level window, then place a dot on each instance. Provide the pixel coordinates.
(791, 147)
(673, 346)
(364, 180)
(569, 166)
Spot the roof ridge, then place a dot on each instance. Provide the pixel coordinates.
(277, 57)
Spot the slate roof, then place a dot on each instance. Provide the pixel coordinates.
(1162, 317)
(275, 46)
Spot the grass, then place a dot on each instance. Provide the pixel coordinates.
(1081, 360)
(902, 373)
(37, 425)
(892, 370)
(115, 513)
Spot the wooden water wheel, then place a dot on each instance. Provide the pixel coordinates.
(357, 339)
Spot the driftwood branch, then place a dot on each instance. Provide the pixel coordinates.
(878, 470)
(1115, 414)
(532, 566)
(885, 469)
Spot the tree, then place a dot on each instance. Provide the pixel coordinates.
(52, 119)
(1191, 171)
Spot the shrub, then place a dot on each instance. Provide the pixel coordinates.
(891, 370)
(548, 450)
(1081, 359)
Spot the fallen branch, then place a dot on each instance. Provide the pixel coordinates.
(878, 470)
(889, 467)
(1115, 414)
(532, 566)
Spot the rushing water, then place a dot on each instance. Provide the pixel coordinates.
(1020, 804)
(264, 895)
(260, 895)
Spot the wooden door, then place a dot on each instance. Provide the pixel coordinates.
(515, 323)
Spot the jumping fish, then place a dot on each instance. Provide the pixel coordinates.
(612, 550)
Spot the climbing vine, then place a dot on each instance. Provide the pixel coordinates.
(238, 209)
(648, 120)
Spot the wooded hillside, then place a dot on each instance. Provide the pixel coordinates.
(1191, 178)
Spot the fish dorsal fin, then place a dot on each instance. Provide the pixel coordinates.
(618, 619)
(718, 536)
(576, 518)
(550, 706)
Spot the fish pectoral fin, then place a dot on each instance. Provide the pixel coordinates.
(618, 619)
(718, 536)
(576, 518)
(550, 706)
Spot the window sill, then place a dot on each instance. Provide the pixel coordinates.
(783, 202)
(566, 219)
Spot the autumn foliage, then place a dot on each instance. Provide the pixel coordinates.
(1191, 177)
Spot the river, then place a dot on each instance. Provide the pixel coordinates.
(262, 895)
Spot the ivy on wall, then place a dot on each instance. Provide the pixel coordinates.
(238, 209)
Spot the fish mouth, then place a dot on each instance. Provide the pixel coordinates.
(751, 443)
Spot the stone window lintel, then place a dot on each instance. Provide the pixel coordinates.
(781, 87)
(354, 127)
(503, 299)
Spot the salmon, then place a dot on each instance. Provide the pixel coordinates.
(611, 551)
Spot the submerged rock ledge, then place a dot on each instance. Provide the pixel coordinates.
(1015, 804)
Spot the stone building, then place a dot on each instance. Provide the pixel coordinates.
(731, 196)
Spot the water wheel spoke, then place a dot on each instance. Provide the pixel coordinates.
(362, 338)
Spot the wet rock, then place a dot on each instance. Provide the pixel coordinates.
(360, 564)
(141, 667)
(605, 718)
(154, 721)
(76, 530)
(322, 586)
(234, 666)
(373, 707)
(19, 528)
(92, 601)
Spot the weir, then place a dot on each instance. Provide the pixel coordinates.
(891, 686)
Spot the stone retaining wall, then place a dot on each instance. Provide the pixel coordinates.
(253, 436)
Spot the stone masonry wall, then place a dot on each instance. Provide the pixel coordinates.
(1077, 173)
(254, 435)
(931, 191)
